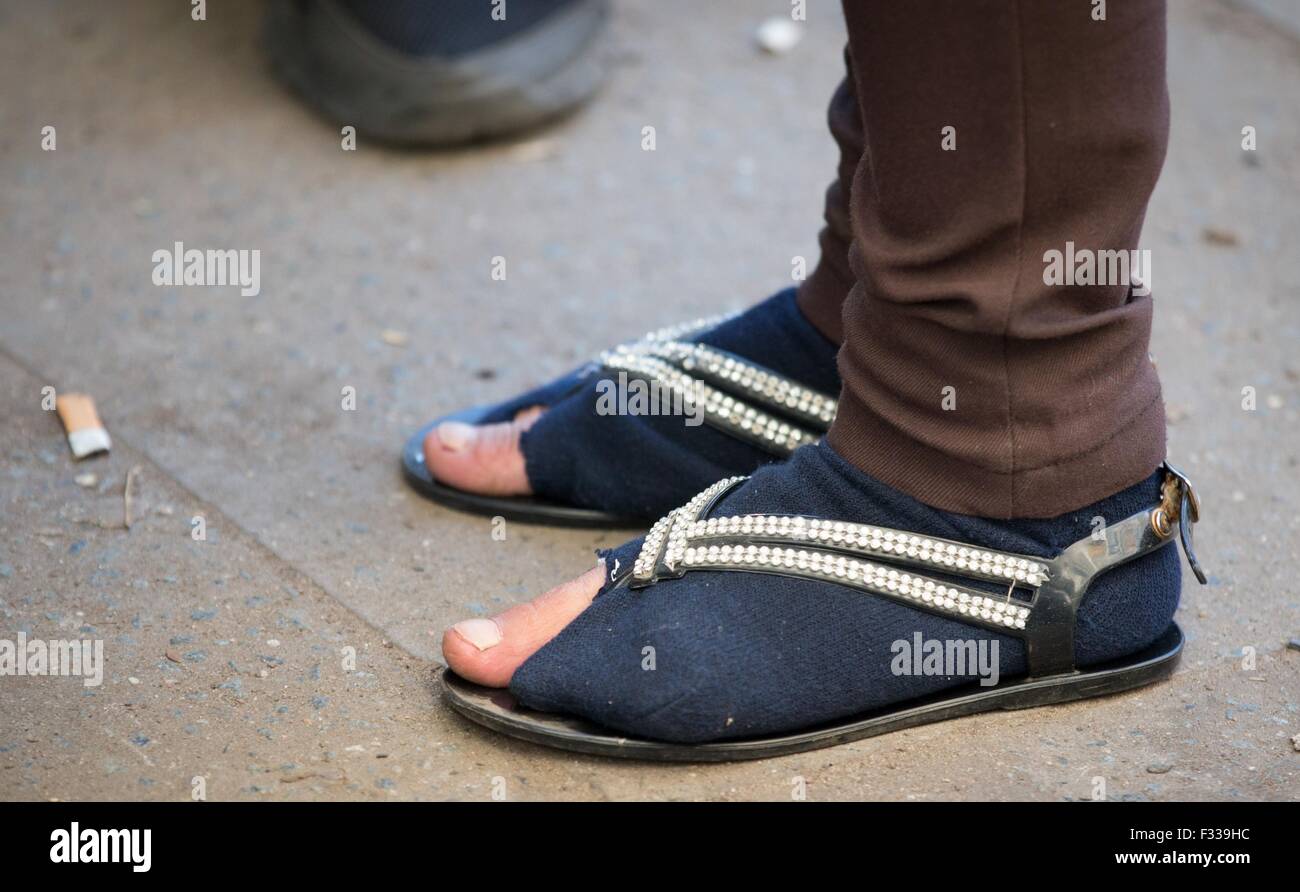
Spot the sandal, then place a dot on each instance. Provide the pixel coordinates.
(768, 412)
(1040, 607)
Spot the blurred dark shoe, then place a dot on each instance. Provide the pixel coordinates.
(417, 72)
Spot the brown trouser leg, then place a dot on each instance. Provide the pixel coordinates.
(822, 295)
(969, 383)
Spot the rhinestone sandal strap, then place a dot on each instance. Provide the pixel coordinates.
(1042, 597)
(829, 551)
(860, 540)
(742, 398)
(938, 596)
(758, 385)
(720, 409)
(667, 532)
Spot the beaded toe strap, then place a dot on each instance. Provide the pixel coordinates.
(742, 398)
(1040, 602)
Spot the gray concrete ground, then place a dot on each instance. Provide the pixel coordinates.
(226, 657)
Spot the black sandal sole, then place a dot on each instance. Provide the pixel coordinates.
(522, 509)
(495, 708)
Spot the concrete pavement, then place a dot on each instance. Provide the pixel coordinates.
(171, 130)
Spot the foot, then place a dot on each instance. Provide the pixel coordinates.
(488, 651)
(558, 443)
(482, 458)
(716, 655)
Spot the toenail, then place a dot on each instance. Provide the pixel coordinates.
(455, 435)
(482, 633)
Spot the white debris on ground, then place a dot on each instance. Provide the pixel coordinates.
(779, 34)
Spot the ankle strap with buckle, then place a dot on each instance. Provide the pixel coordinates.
(1042, 598)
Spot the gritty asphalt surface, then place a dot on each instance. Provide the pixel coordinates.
(289, 654)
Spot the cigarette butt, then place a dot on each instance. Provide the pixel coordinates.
(86, 434)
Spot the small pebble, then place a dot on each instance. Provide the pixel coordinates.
(779, 34)
(87, 480)
(133, 680)
(394, 338)
(1222, 237)
(1159, 768)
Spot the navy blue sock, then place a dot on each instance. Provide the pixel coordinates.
(646, 465)
(745, 654)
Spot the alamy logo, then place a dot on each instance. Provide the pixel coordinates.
(1084, 266)
(180, 266)
(953, 656)
(633, 396)
(77, 846)
(75, 656)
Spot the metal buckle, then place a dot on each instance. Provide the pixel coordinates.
(1179, 499)
(1186, 486)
